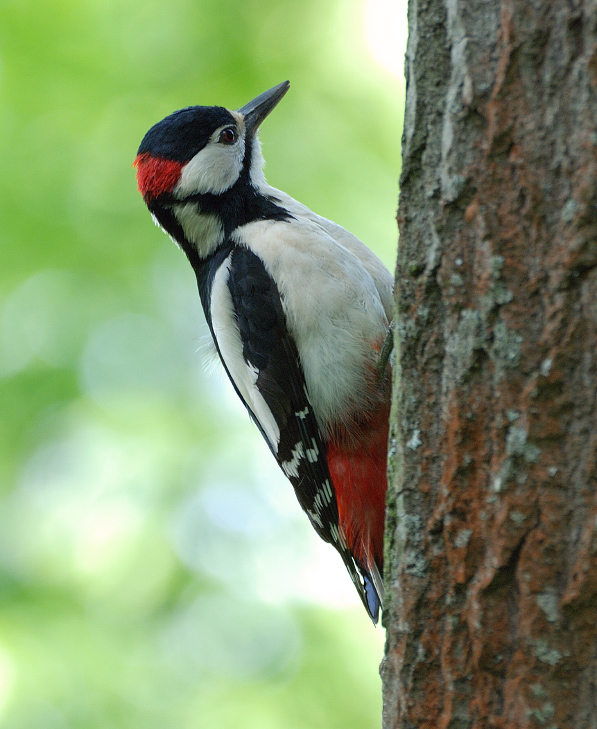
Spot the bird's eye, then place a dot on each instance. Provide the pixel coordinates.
(228, 135)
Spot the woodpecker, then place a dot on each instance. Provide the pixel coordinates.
(299, 310)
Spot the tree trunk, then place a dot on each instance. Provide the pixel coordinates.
(492, 507)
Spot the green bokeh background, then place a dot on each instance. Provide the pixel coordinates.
(155, 570)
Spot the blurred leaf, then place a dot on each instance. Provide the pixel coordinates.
(155, 569)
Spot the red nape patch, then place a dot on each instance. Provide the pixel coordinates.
(156, 175)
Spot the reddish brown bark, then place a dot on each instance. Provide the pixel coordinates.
(491, 538)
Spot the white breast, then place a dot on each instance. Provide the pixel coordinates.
(382, 278)
(334, 308)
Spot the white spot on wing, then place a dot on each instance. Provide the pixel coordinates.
(318, 502)
(312, 454)
(315, 517)
(231, 348)
(327, 491)
(290, 468)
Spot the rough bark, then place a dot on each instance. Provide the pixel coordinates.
(491, 545)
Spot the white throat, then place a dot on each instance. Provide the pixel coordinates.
(203, 230)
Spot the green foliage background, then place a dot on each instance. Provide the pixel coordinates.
(153, 562)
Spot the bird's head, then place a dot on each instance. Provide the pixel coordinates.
(203, 150)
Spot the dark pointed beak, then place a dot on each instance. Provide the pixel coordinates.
(256, 111)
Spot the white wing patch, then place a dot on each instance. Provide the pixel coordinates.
(327, 491)
(230, 345)
(315, 517)
(291, 467)
(312, 453)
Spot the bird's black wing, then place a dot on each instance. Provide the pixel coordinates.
(271, 352)
(240, 296)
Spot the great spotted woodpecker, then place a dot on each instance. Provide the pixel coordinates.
(298, 309)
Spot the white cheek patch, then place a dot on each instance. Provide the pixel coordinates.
(212, 170)
(231, 348)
